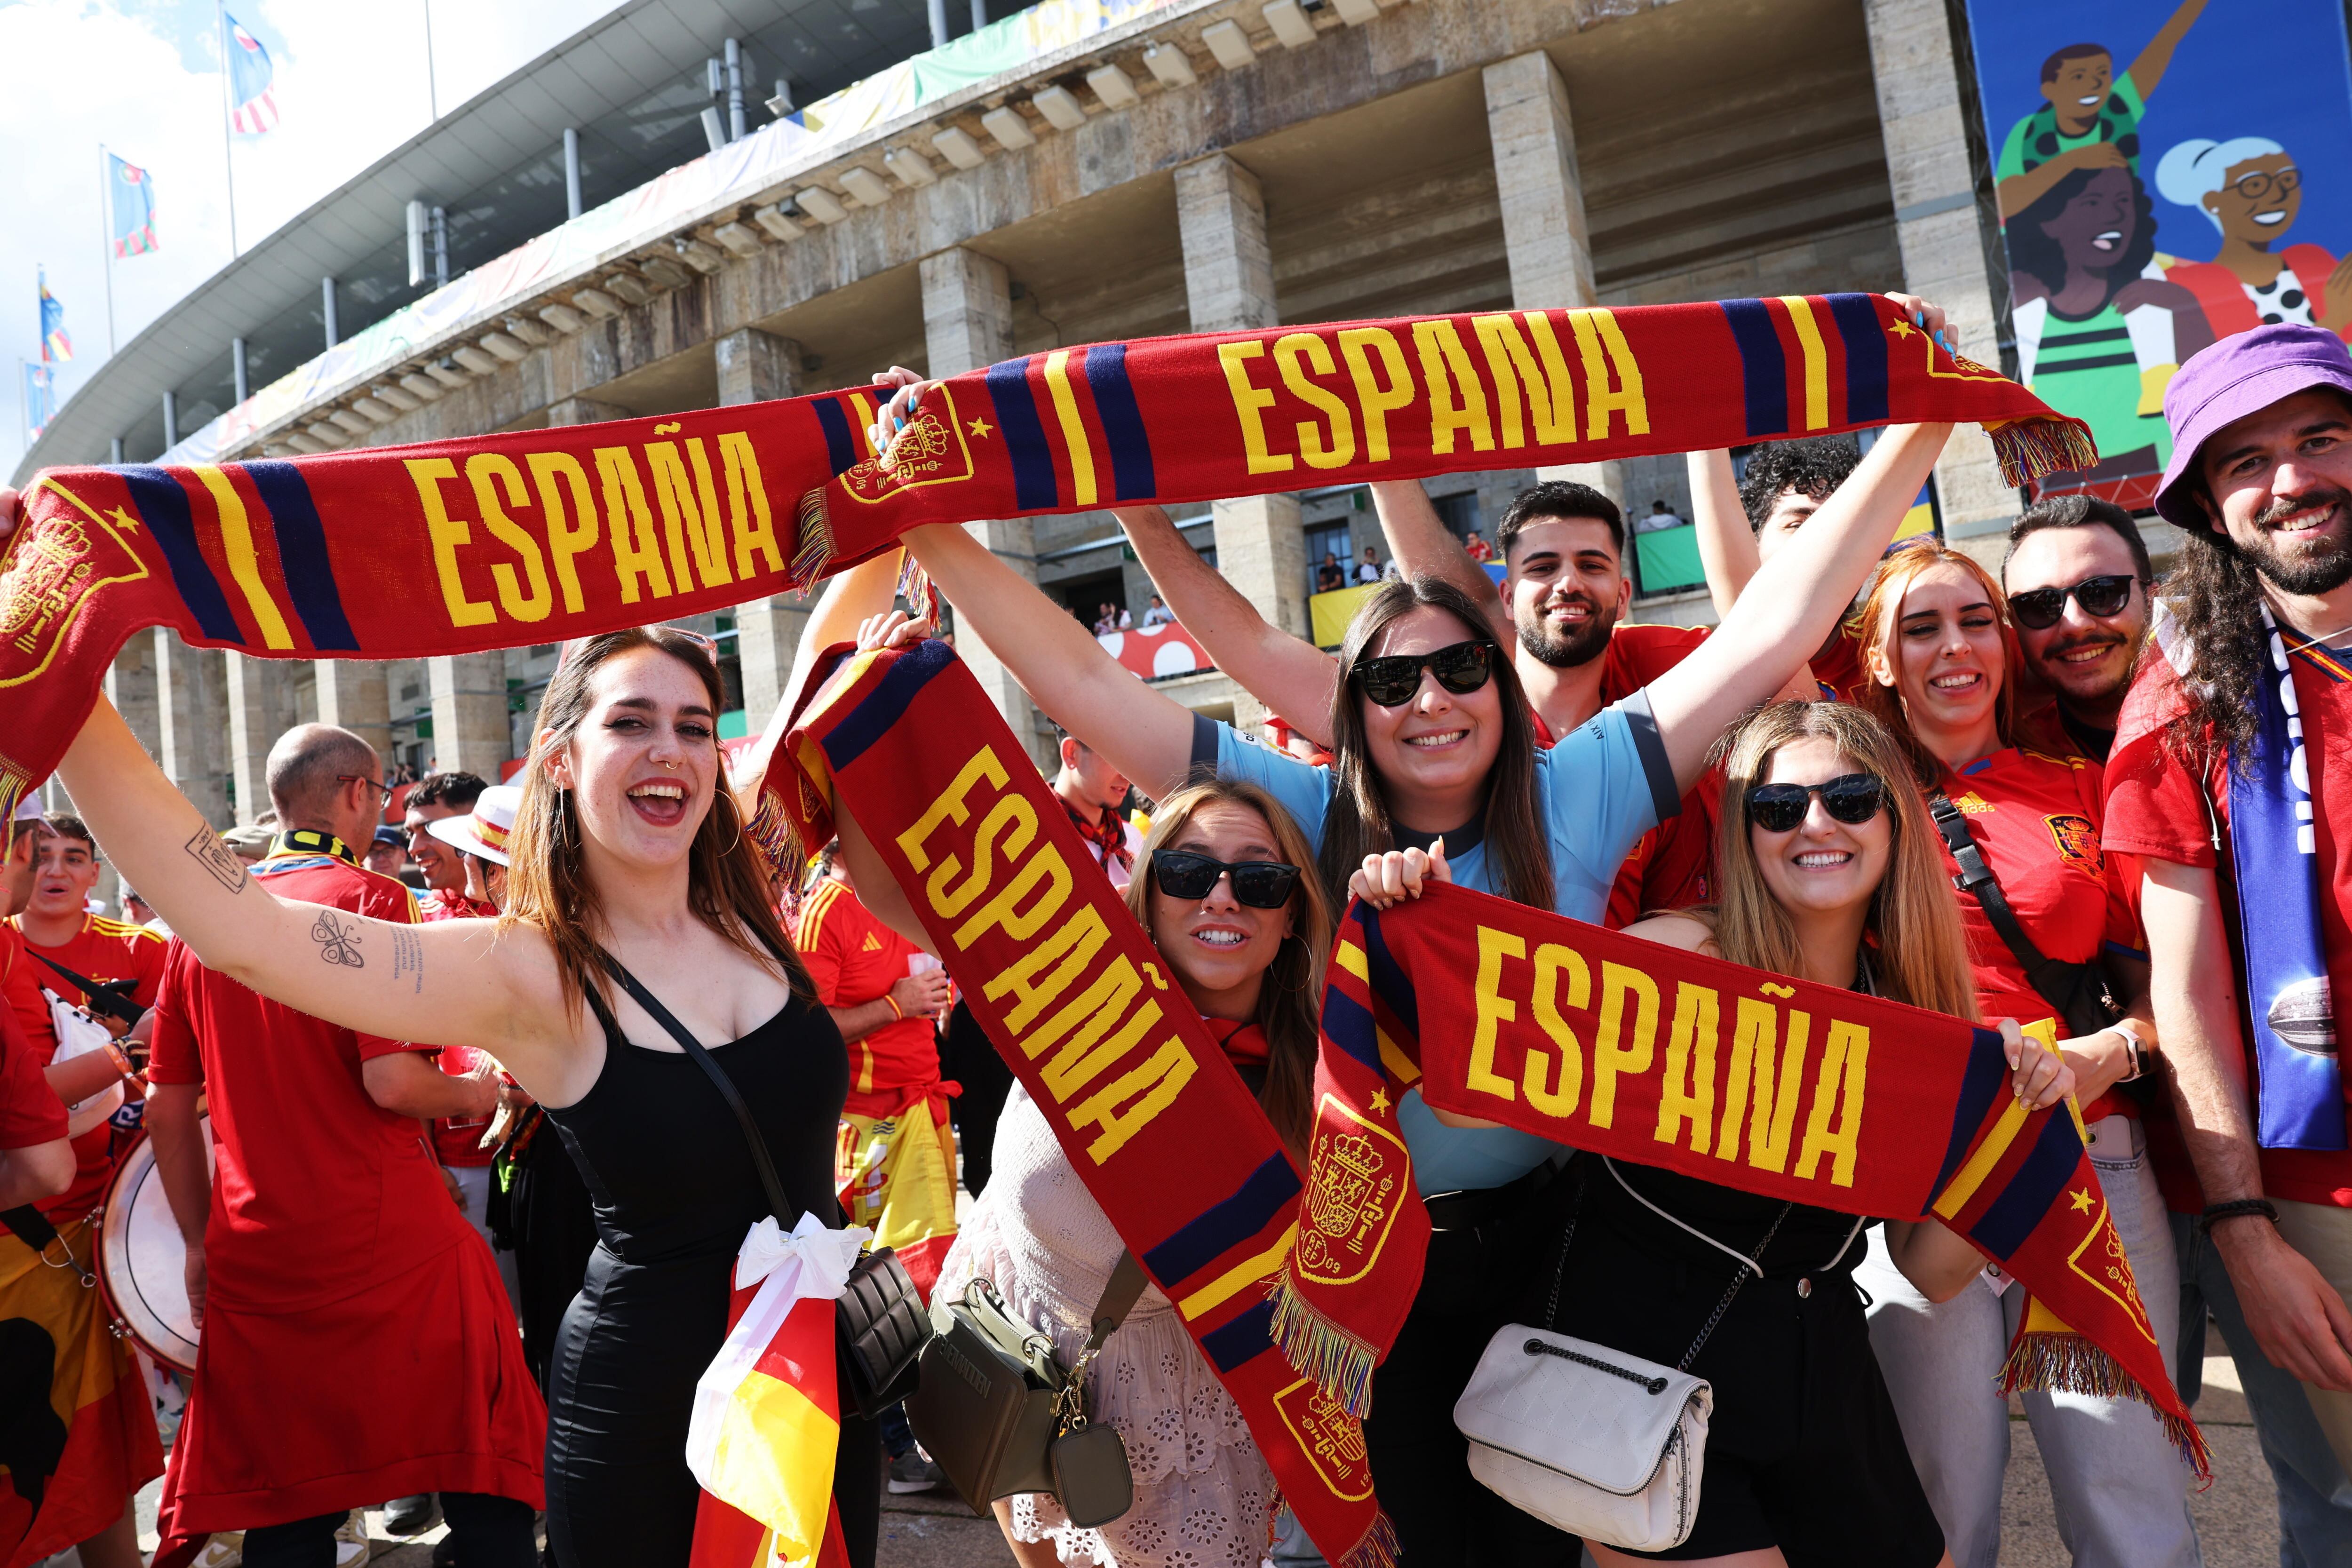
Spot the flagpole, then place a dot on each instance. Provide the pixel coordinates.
(106, 240)
(228, 140)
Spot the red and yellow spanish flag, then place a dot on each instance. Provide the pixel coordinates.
(767, 1413)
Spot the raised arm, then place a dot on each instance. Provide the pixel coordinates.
(2157, 58)
(850, 598)
(1058, 661)
(1422, 543)
(1794, 601)
(1288, 674)
(1727, 546)
(453, 982)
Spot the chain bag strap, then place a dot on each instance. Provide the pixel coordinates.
(879, 1321)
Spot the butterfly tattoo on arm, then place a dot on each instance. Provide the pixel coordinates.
(338, 944)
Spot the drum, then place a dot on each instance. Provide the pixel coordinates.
(142, 1261)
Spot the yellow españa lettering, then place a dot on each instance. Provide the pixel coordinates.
(1687, 1093)
(553, 474)
(1010, 820)
(1837, 1095)
(1551, 391)
(1250, 404)
(690, 513)
(747, 505)
(1127, 1106)
(950, 805)
(1074, 943)
(1457, 401)
(1493, 946)
(1614, 387)
(1611, 1054)
(490, 475)
(1558, 1097)
(1376, 401)
(1763, 1084)
(1003, 910)
(636, 553)
(448, 535)
(1288, 350)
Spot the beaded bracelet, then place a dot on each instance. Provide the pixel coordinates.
(2236, 1208)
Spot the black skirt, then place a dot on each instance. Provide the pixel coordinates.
(1803, 1450)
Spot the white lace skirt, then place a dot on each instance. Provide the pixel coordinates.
(1202, 1494)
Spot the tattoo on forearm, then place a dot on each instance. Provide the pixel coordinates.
(207, 850)
(408, 958)
(339, 941)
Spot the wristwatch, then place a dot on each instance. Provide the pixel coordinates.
(2135, 1047)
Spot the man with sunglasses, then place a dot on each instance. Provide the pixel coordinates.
(2077, 575)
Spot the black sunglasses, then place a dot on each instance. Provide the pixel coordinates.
(1460, 668)
(1851, 798)
(1260, 884)
(2038, 609)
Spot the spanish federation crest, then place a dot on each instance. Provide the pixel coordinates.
(1332, 1440)
(931, 450)
(1351, 1196)
(56, 566)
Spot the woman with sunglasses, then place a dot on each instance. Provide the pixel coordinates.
(1940, 662)
(1828, 870)
(1432, 740)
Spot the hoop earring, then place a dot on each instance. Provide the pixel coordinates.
(734, 813)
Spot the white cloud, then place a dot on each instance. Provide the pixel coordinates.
(144, 80)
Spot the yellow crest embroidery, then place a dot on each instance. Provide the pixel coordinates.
(1351, 1196)
(1332, 1439)
(931, 450)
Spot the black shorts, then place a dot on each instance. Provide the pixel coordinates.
(1803, 1450)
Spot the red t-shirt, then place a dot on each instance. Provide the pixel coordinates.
(102, 949)
(458, 1139)
(2157, 808)
(2037, 818)
(21, 990)
(855, 959)
(30, 1112)
(318, 1191)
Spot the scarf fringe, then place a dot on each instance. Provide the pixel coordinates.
(2029, 448)
(813, 549)
(1338, 1363)
(2070, 1363)
(1379, 1548)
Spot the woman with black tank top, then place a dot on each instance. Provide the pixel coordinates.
(627, 844)
(1829, 871)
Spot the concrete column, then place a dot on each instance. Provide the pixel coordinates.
(966, 324)
(1938, 229)
(355, 694)
(1545, 236)
(470, 733)
(585, 411)
(754, 367)
(1229, 287)
(192, 709)
(130, 687)
(258, 705)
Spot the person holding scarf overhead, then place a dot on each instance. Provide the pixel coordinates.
(1940, 669)
(1432, 741)
(2241, 737)
(1829, 875)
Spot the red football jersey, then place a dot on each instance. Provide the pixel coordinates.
(855, 959)
(318, 1191)
(458, 1139)
(30, 1112)
(102, 949)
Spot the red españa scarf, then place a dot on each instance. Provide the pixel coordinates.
(1650, 1054)
(537, 536)
(1154, 1117)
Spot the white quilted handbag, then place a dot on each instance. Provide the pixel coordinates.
(1591, 1441)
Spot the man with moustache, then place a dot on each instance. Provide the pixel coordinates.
(2077, 577)
(2230, 780)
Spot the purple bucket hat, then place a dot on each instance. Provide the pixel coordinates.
(2237, 376)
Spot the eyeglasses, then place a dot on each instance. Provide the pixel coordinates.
(379, 788)
(2257, 185)
(1851, 798)
(1460, 668)
(2039, 610)
(1260, 884)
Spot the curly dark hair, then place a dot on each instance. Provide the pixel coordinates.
(1812, 468)
(2215, 590)
(2030, 251)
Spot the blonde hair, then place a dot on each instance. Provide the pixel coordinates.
(728, 885)
(1922, 954)
(1291, 999)
(1881, 607)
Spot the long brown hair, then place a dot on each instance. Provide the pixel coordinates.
(1291, 999)
(1922, 954)
(1881, 607)
(1356, 822)
(547, 883)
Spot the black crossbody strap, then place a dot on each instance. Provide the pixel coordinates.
(2053, 979)
(780, 1205)
(100, 992)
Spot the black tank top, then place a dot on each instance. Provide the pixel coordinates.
(665, 1158)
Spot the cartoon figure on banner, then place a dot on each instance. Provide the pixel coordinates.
(2251, 190)
(2100, 330)
(2089, 120)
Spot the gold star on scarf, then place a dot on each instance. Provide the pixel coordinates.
(979, 428)
(1902, 328)
(1380, 1100)
(2082, 1200)
(125, 519)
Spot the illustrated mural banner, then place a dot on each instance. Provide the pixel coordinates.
(2168, 174)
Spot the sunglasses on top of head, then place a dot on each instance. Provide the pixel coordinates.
(1390, 679)
(1260, 884)
(2039, 610)
(1850, 798)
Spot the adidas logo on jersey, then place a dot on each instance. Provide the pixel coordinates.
(870, 944)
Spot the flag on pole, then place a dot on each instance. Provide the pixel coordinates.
(40, 399)
(130, 196)
(255, 109)
(56, 342)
